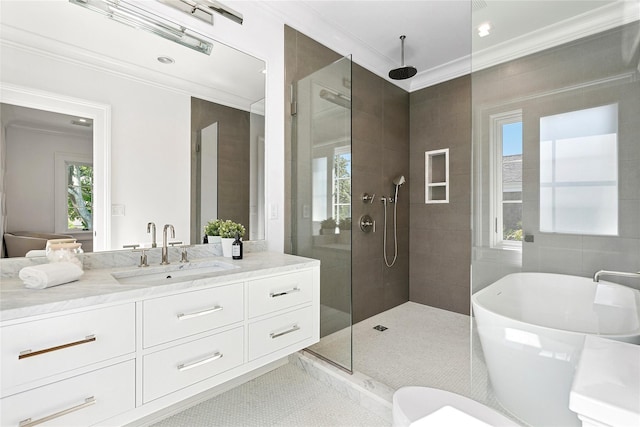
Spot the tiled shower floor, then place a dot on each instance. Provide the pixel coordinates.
(422, 346)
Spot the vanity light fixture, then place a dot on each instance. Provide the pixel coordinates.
(136, 17)
(202, 9)
(484, 29)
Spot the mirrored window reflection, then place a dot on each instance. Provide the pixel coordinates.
(79, 196)
(579, 172)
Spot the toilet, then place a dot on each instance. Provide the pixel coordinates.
(430, 407)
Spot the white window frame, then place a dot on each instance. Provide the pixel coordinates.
(496, 190)
(335, 204)
(60, 191)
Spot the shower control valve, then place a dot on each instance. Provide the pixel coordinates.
(368, 198)
(367, 224)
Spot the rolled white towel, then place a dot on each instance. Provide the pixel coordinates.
(48, 275)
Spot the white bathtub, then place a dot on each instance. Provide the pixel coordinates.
(532, 328)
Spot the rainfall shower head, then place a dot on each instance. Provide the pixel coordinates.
(404, 72)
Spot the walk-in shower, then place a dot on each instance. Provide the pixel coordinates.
(397, 182)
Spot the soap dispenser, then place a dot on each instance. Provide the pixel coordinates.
(236, 248)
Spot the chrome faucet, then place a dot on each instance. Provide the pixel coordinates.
(151, 228)
(165, 249)
(596, 276)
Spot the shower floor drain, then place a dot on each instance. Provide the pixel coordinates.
(380, 328)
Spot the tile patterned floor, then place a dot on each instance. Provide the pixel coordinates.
(422, 346)
(284, 397)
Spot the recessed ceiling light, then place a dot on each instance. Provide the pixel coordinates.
(165, 60)
(484, 29)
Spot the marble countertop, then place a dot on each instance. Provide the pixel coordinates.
(99, 286)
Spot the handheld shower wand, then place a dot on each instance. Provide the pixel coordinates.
(397, 182)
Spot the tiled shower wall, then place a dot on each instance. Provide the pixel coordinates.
(233, 164)
(440, 242)
(380, 148)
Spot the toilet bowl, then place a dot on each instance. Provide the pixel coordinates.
(424, 407)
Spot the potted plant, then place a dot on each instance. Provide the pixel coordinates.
(228, 231)
(328, 226)
(212, 230)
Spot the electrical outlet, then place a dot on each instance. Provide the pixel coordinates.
(117, 210)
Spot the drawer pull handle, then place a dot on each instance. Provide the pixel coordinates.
(279, 294)
(28, 423)
(28, 353)
(183, 316)
(288, 331)
(185, 367)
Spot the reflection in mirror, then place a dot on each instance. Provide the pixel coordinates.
(42, 197)
(143, 171)
(227, 159)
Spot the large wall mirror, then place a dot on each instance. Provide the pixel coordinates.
(77, 85)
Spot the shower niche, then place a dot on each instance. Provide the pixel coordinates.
(437, 176)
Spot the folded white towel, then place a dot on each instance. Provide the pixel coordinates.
(48, 275)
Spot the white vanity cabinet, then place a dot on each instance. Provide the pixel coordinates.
(177, 316)
(112, 364)
(69, 369)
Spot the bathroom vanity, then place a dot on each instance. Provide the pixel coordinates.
(124, 343)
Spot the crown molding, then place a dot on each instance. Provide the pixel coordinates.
(305, 19)
(587, 24)
(442, 73)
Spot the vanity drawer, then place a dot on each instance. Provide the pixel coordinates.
(78, 401)
(177, 367)
(177, 316)
(273, 334)
(279, 292)
(38, 349)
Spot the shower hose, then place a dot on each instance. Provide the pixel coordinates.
(395, 233)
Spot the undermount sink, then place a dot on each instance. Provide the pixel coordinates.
(170, 273)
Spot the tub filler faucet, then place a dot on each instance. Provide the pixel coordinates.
(165, 248)
(596, 276)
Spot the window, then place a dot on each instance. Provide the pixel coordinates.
(579, 172)
(342, 185)
(506, 185)
(74, 193)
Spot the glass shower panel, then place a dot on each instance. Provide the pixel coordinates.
(579, 203)
(321, 205)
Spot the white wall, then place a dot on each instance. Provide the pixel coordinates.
(29, 178)
(150, 132)
(150, 164)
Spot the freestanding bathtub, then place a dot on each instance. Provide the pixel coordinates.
(532, 328)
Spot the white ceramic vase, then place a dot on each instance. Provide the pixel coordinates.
(213, 239)
(227, 248)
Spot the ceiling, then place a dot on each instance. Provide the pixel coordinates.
(441, 34)
(440, 37)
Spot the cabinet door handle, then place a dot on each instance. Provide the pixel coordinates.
(183, 316)
(288, 331)
(279, 294)
(187, 366)
(29, 423)
(29, 353)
